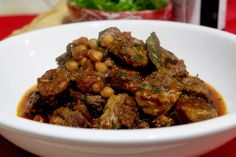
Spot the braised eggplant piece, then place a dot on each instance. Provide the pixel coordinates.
(119, 82)
(164, 60)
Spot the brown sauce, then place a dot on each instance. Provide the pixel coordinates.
(24, 103)
(216, 97)
(218, 100)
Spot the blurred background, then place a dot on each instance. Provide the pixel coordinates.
(15, 14)
(14, 7)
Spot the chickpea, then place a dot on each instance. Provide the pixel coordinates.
(106, 40)
(76, 51)
(107, 92)
(83, 61)
(101, 67)
(71, 65)
(109, 63)
(39, 118)
(96, 87)
(95, 55)
(93, 43)
(81, 41)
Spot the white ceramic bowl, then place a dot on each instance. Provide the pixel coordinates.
(208, 52)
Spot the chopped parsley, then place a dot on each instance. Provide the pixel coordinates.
(119, 119)
(143, 86)
(113, 126)
(51, 78)
(138, 57)
(138, 46)
(120, 74)
(155, 90)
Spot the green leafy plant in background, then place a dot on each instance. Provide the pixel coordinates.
(120, 5)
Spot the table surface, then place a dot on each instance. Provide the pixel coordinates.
(10, 23)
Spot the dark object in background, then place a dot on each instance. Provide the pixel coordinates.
(202, 12)
(209, 13)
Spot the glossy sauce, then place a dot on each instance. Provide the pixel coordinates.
(24, 103)
(217, 99)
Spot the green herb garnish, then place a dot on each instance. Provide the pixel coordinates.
(119, 119)
(51, 78)
(138, 57)
(120, 5)
(138, 46)
(121, 74)
(155, 90)
(113, 126)
(142, 87)
(155, 51)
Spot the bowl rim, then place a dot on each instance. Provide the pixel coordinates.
(163, 135)
(114, 137)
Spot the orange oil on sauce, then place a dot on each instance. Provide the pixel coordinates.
(217, 99)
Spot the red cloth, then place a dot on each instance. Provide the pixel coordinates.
(10, 23)
(231, 17)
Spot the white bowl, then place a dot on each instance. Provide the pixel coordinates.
(208, 52)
